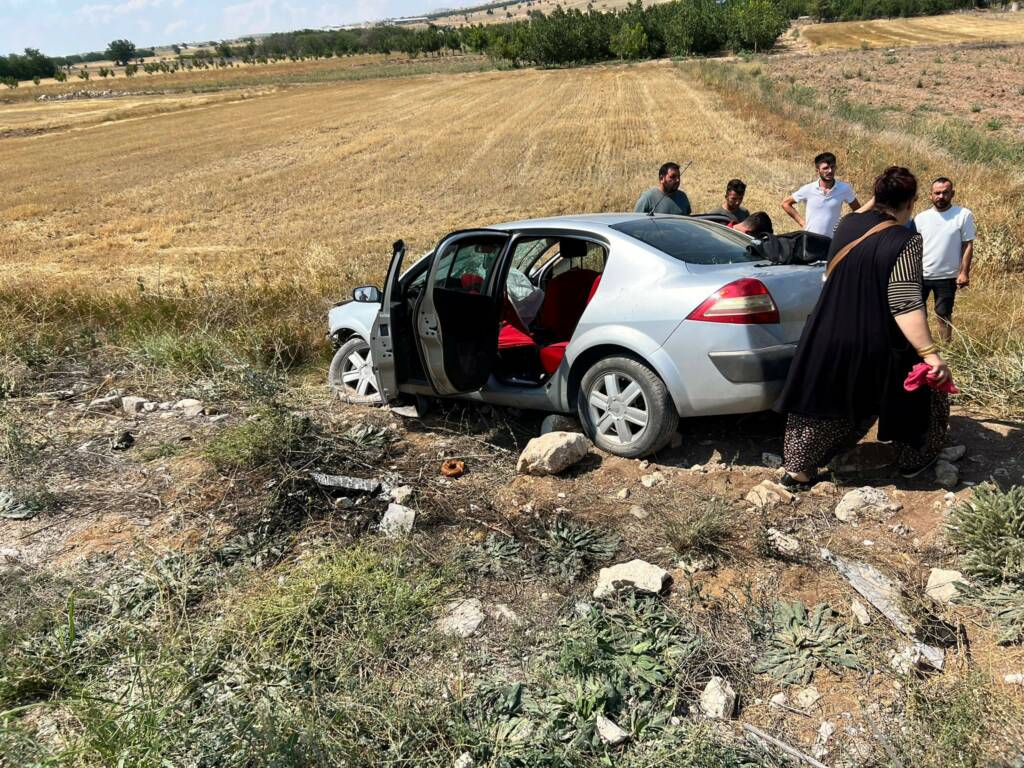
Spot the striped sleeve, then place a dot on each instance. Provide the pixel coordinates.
(905, 292)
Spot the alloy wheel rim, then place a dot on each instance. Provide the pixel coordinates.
(618, 408)
(357, 373)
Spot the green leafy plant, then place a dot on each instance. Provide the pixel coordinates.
(570, 548)
(803, 642)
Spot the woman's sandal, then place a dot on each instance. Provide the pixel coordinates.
(788, 481)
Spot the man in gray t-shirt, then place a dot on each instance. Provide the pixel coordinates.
(667, 197)
(732, 208)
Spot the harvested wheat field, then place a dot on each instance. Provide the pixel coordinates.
(950, 28)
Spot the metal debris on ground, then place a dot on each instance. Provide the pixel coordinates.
(453, 467)
(346, 483)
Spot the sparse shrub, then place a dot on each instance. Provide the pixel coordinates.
(994, 124)
(36, 80)
(83, 74)
(10, 82)
(703, 527)
(60, 76)
(920, 83)
(975, 108)
(265, 439)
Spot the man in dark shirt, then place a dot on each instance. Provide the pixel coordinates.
(667, 197)
(733, 208)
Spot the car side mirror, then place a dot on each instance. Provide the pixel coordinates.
(367, 294)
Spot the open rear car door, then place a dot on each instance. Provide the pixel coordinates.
(459, 311)
(382, 347)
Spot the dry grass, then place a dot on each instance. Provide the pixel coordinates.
(950, 28)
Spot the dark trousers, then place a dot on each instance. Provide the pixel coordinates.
(945, 294)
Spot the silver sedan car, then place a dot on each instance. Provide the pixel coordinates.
(629, 321)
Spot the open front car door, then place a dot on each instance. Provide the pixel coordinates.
(382, 345)
(458, 314)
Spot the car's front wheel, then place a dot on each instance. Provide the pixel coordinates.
(351, 373)
(625, 407)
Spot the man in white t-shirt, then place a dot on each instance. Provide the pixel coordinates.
(948, 233)
(824, 198)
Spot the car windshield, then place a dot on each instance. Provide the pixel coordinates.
(693, 242)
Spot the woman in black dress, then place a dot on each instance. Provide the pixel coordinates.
(867, 331)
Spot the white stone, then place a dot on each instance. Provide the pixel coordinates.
(858, 609)
(864, 500)
(397, 521)
(787, 545)
(771, 460)
(778, 700)
(639, 512)
(824, 488)
(825, 732)
(636, 574)
(718, 700)
(149, 406)
(623, 494)
(807, 697)
(1015, 679)
(556, 422)
(9, 555)
(132, 405)
(947, 475)
(401, 494)
(696, 565)
(942, 584)
(767, 494)
(465, 760)
(609, 732)
(108, 403)
(651, 480)
(187, 402)
(953, 453)
(501, 612)
(552, 453)
(917, 656)
(462, 618)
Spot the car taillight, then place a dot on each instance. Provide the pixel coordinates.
(742, 301)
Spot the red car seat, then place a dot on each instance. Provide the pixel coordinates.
(565, 298)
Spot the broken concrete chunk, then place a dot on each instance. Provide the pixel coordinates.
(462, 618)
(638, 575)
(782, 543)
(401, 494)
(807, 697)
(947, 475)
(718, 700)
(953, 453)
(653, 479)
(767, 494)
(865, 500)
(556, 422)
(552, 453)
(609, 732)
(345, 483)
(858, 609)
(942, 585)
(397, 521)
(132, 405)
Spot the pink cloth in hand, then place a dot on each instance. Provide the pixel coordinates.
(918, 377)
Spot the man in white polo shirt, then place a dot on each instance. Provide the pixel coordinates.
(948, 233)
(824, 198)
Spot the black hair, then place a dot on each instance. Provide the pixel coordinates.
(759, 223)
(737, 186)
(943, 180)
(825, 157)
(663, 171)
(895, 187)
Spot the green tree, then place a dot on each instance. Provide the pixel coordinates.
(755, 24)
(121, 51)
(630, 42)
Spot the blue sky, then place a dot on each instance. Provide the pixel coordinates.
(61, 27)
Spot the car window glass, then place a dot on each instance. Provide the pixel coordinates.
(593, 259)
(693, 242)
(529, 251)
(466, 264)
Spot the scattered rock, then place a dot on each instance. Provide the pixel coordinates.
(639, 512)
(609, 732)
(697, 468)
(768, 493)
(397, 521)
(122, 442)
(501, 612)
(462, 618)
(942, 584)
(807, 697)
(901, 529)
(132, 405)
(912, 658)
(653, 479)
(552, 453)
(787, 545)
(636, 574)
(149, 406)
(401, 494)
(771, 460)
(825, 732)
(187, 402)
(863, 501)
(218, 418)
(778, 700)
(718, 701)
(465, 760)
(556, 422)
(953, 453)
(858, 609)
(108, 403)
(623, 494)
(1014, 679)
(696, 565)
(947, 475)
(824, 488)
(9, 555)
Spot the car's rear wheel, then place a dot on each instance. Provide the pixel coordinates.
(625, 407)
(351, 373)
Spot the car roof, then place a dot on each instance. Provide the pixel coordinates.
(587, 222)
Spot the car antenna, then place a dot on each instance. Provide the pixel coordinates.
(681, 172)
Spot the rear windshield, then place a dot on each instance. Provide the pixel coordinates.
(694, 242)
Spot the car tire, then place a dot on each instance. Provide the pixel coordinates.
(623, 393)
(351, 374)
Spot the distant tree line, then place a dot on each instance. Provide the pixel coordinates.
(26, 66)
